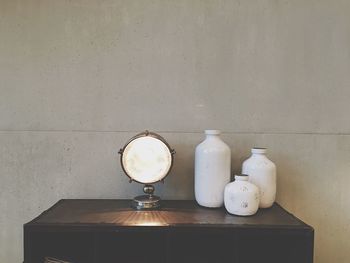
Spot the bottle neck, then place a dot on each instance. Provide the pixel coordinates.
(212, 137)
(259, 155)
(241, 178)
(212, 133)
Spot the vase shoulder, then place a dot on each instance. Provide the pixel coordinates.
(212, 145)
(259, 162)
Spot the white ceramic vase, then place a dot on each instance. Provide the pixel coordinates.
(262, 173)
(212, 170)
(241, 196)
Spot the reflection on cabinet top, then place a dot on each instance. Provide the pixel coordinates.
(82, 213)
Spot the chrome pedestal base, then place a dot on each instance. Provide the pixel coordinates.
(146, 202)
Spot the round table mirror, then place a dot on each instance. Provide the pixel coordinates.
(147, 159)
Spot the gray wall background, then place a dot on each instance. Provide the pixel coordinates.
(78, 78)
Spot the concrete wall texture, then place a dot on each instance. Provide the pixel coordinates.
(78, 78)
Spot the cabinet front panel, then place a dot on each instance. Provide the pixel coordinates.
(273, 247)
(201, 247)
(130, 247)
(74, 247)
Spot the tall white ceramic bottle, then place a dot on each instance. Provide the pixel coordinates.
(262, 173)
(212, 170)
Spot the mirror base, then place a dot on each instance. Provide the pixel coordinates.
(146, 202)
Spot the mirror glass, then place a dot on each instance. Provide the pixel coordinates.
(146, 160)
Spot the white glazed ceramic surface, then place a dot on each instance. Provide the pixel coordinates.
(212, 170)
(262, 173)
(241, 197)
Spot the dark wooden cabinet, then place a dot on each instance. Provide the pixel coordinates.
(109, 231)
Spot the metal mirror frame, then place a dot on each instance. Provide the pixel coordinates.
(148, 201)
(145, 134)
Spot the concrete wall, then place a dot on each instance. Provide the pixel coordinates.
(78, 78)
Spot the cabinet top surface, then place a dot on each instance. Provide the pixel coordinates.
(118, 213)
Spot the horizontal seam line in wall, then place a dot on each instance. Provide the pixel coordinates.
(184, 132)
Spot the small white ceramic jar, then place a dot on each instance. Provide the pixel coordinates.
(212, 170)
(262, 173)
(241, 196)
